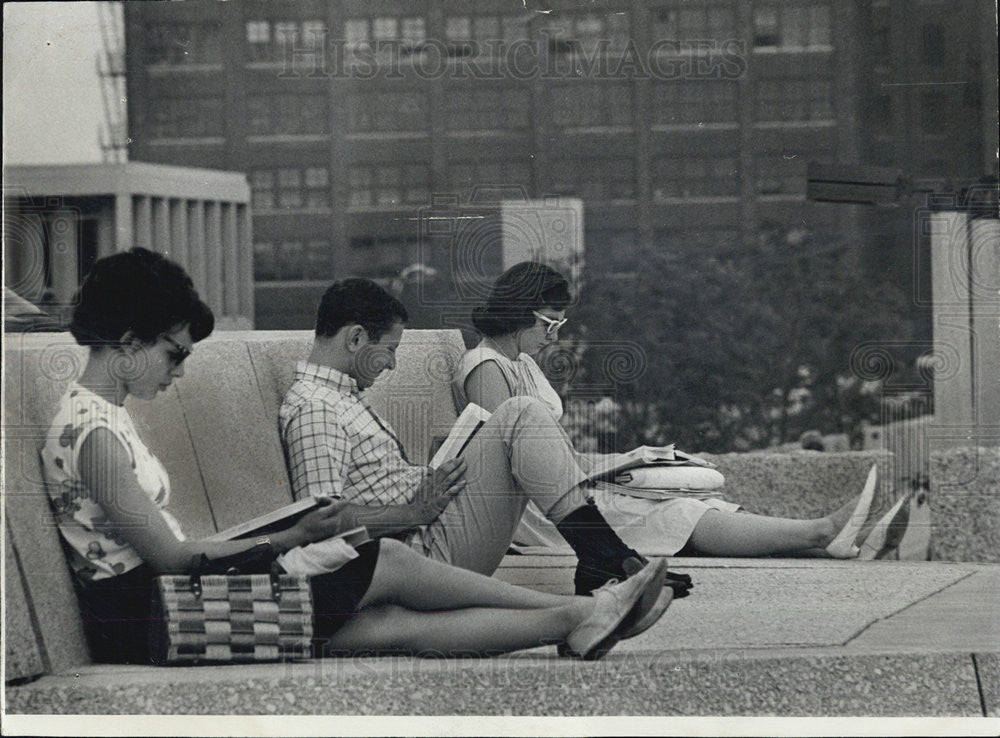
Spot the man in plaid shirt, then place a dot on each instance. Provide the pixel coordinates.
(465, 512)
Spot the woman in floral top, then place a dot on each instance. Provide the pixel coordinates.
(141, 316)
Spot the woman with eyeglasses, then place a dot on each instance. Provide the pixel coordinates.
(140, 316)
(522, 315)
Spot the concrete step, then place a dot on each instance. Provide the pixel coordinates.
(756, 637)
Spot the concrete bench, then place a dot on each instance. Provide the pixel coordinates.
(216, 432)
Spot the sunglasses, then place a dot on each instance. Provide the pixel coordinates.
(551, 325)
(178, 353)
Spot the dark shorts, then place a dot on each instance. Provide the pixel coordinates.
(116, 612)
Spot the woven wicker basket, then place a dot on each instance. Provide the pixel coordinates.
(243, 618)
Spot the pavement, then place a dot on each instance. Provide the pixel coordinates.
(757, 637)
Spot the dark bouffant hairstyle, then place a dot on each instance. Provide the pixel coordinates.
(138, 291)
(359, 301)
(523, 288)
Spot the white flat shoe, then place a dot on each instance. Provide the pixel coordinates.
(641, 625)
(842, 546)
(596, 635)
(880, 532)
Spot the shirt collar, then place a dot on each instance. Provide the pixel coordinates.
(327, 376)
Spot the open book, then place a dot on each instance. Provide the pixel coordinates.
(610, 464)
(280, 519)
(466, 426)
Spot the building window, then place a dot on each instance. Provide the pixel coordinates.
(882, 111)
(274, 41)
(487, 109)
(258, 32)
(594, 179)
(932, 45)
(687, 177)
(296, 189)
(384, 257)
(694, 101)
(579, 104)
(387, 111)
(290, 188)
(286, 115)
(708, 23)
(587, 32)
(487, 179)
(187, 118)
(882, 45)
(291, 260)
(933, 113)
(791, 100)
(408, 33)
(264, 267)
(780, 174)
(184, 44)
(317, 187)
(481, 34)
(262, 189)
(377, 186)
(792, 26)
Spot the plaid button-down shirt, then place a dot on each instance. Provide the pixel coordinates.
(338, 446)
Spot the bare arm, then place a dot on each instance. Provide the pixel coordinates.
(106, 470)
(486, 386)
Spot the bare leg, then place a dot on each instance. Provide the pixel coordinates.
(404, 577)
(723, 533)
(484, 631)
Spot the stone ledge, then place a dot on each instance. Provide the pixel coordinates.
(778, 638)
(630, 683)
(965, 504)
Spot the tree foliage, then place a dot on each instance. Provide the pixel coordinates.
(737, 350)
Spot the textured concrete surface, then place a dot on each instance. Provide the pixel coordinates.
(21, 649)
(654, 683)
(801, 484)
(162, 426)
(37, 370)
(988, 670)
(809, 638)
(965, 504)
(237, 444)
(416, 396)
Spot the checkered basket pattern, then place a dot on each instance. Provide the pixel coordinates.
(243, 618)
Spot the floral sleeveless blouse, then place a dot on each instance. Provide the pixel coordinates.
(97, 551)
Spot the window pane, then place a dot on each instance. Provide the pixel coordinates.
(258, 32)
(458, 28)
(589, 25)
(819, 27)
(356, 32)
(932, 45)
(795, 26)
(312, 33)
(413, 31)
(486, 27)
(290, 260)
(384, 29)
(316, 177)
(264, 267)
(286, 32)
(765, 26)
